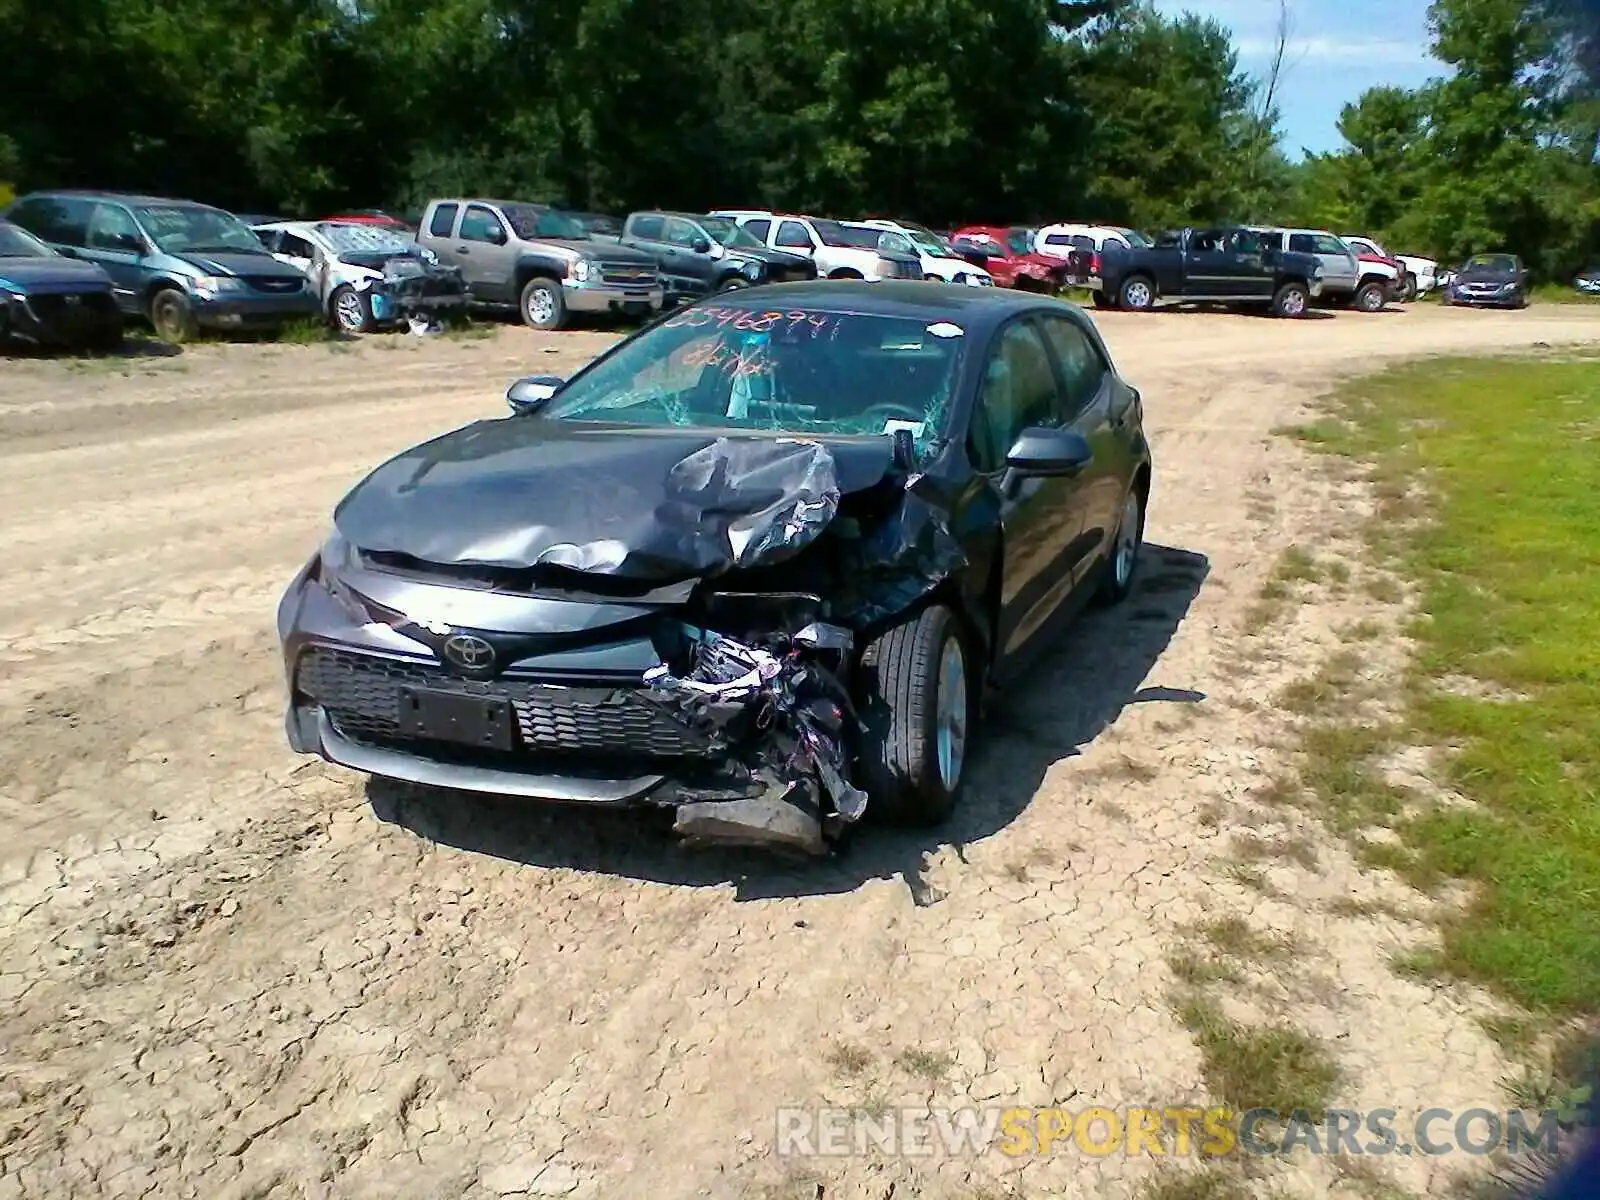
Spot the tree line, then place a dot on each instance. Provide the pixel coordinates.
(940, 110)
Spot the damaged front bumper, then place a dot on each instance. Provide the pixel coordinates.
(408, 289)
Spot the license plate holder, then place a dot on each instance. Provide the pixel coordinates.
(487, 722)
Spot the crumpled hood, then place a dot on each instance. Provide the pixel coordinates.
(640, 504)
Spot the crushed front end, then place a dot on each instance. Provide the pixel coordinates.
(413, 290)
(725, 696)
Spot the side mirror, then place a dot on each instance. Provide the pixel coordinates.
(497, 235)
(700, 246)
(530, 393)
(1049, 452)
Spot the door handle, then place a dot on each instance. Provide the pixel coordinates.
(462, 250)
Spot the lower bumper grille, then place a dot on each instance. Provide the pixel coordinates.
(361, 693)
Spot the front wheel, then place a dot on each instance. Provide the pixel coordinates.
(1137, 294)
(172, 317)
(1408, 290)
(918, 697)
(1370, 297)
(1291, 300)
(543, 305)
(733, 283)
(351, 311)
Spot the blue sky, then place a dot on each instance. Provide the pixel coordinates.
(1337, 49)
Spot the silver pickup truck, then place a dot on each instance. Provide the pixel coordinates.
(539, 260)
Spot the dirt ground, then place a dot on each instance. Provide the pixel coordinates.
(226, 971)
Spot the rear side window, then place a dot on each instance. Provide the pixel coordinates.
(63, 219)
(648, 228)
(792, 233)
(443, 220)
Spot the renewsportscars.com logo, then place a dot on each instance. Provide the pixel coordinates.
(1172, 1132)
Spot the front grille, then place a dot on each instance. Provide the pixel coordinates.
(361, 693)
(274, 284)
(71, 306)
(628, 275)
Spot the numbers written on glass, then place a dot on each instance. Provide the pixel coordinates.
(741, 364)
(746, 320)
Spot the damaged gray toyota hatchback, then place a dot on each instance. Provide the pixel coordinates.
(757, 563)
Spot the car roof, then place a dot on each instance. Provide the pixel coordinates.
(977, 307)
(118, 197)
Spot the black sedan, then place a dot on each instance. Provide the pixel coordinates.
(755, 564)
(48, 299)
(1489, 281)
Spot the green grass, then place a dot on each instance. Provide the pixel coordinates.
(1272, 1066)
(1507, 565)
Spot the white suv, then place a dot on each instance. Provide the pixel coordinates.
(1060, 240)
(841, 250)
(939, 259)
(1421, 274)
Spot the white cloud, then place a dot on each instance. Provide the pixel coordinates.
(1313, 51)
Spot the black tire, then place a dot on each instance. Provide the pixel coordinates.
(1137, 294)
(543, 305)
(1408, 288)
(1371, 296)
(349, 311)
(900, 677)
(1291, 300)
(1120, 573)
(172, 317)
(846, 273)
(733, 283)
(1101, 300)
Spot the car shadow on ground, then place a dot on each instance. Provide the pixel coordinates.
(133, 346)
(1099, 666)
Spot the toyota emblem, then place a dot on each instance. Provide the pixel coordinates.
(469, 652)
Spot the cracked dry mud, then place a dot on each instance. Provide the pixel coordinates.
(228, 972)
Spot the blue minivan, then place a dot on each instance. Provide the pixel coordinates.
(180, 265)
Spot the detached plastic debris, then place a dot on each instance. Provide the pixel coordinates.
(783, 711)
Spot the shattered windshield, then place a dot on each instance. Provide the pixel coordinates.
(797, 371)
(192, 228)
(366, 239)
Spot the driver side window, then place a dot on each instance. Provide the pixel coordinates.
(112, 228)
(1018, 392)
(481, 225)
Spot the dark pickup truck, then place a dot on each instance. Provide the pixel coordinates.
(1223, 265)
(698, 254)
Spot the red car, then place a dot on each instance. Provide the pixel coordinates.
(370, 216)
(1006, 251)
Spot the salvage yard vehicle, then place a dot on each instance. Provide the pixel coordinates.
(1227, 265)
(367, 275)
(181, 265)
(839, 251)
(1364, 283)
(540, 261)
(1007, 253)
(50, 300)
(939, 259)
(1587, 280)
(699, 254)
(755, 564)
(1419, 275)
(1488, 281)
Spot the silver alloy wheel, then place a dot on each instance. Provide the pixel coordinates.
(1294, 303)
(1371, 300)
(1127, 551)
(347, 308)
(950, 729)
(1138, 294)
(541, 306)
